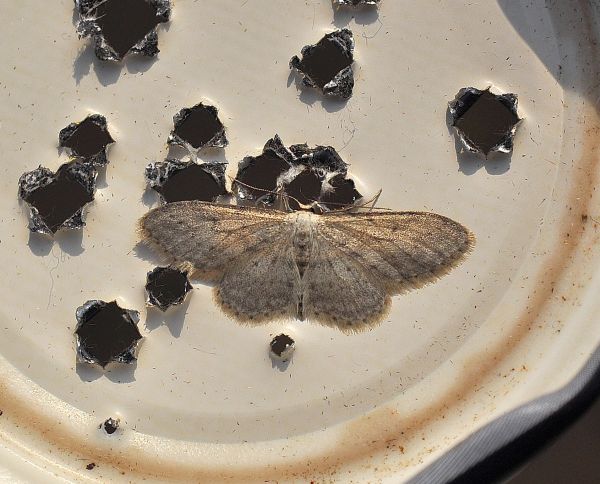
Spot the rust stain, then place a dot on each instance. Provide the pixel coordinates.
(381, 431)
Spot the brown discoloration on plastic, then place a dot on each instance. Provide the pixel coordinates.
(381, 431)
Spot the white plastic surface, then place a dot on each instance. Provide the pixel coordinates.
(204, 403)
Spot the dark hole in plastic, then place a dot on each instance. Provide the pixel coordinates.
(199, 125)
(281, 344)
(88, 139)
(125, 22)
(167, 286)
(106, 332)
(485, 120)
(191, 183)
(110, 426)
(324, 61)
(304, 188)
(60, 199)
(344, 193)
(261, 172)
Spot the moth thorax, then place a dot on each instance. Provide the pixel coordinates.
(303, 242)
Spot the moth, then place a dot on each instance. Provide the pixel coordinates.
(338, 269)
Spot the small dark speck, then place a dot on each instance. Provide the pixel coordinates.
(90, 466)
(110, 425)
(282, 347)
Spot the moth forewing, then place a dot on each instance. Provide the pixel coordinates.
(337, 269)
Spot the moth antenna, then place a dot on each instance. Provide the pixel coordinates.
(284, 195)
(372, 201)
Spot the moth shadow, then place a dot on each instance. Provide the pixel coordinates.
(144, 251)
(173, 318)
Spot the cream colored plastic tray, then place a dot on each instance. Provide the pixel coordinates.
(203, 403)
